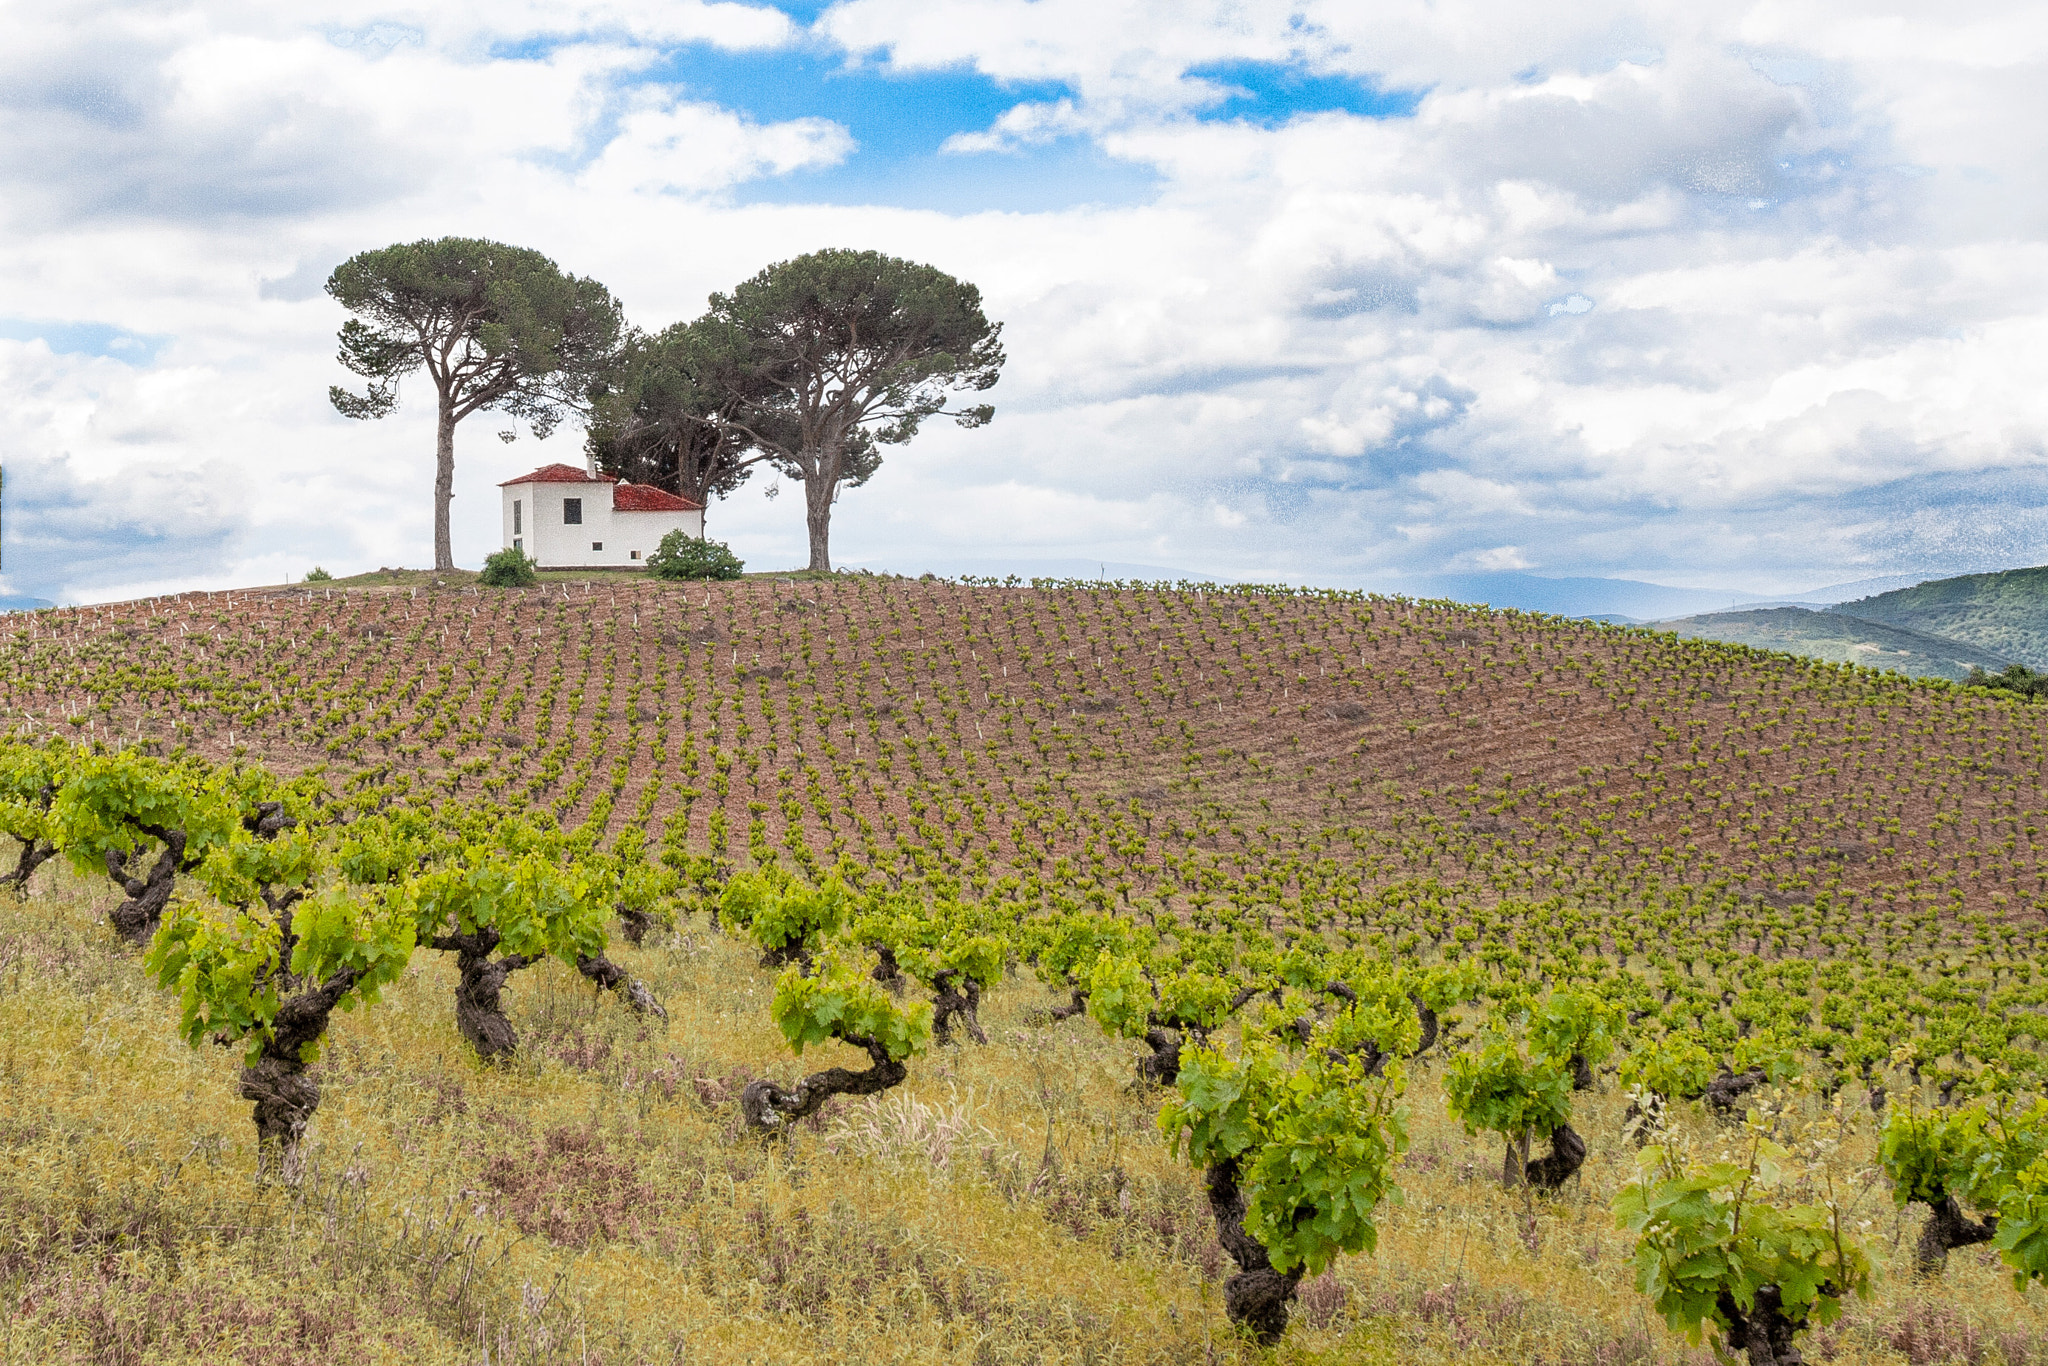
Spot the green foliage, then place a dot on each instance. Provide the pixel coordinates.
(1988, 1155)
(840, 1001)
(1314, 1144)
(29, 778)
(318, 575)
(2013, 678)
(225, 965)
(538, 907)
(508, 568)
(683, 556)
(1497, 1089)
(2022, 1239)
(666, 412)
(126, 801)
(860, 345)
(1572, 1024)
(503, 325)
(1119, 995)
(783, 914)
(1705, 1232)
(1673, 1066)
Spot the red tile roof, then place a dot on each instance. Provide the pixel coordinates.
(647, 498)
(560, 474)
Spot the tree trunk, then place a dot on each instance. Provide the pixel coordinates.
(609, 976)
(479, 1013)
(285, 1096)
(818, 493)
(1728, 1088)
(34, 854)
(1430, 1025)
(1077, 1006)
(634, 925)
(956, 996)
(136, 919)
(770, 1109)
(1256, 1299)
(887, 970)
(1764, 1332)
(1567, 1154)
(1163, 1066)
(444, 484)
(1948, 1227)
(1582, 1072)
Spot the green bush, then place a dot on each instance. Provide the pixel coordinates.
(508, 568)
(319, 575)
(683, 556)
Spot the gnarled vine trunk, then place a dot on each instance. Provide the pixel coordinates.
(1256, 1299)
(1947, 1228)
(1162, 1065)
(1763, 1332)
(1550, 1171)
(634, 925)
(1077, 1006)
(277, 1081)
(956, 996)
(34, 854)
(479, 1013)
(1431, 1026)
(771, 1109)
(136, 919)
(887, 970)
(609, 976)
(1725, 1090)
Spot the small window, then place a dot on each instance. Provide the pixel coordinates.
(572, 512)
(597, 545)
(518, 544)
(517, 520)
(632, 554)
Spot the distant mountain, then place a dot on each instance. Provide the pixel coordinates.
(1618, 598)
(1836, 636)
(1856, 588)
(14, 602)
(2006, 612)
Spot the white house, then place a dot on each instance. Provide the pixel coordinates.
(565, 518)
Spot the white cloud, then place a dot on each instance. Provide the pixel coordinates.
(1541, 322)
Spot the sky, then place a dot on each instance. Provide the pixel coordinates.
(1745, 297)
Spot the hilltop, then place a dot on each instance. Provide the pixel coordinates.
(2006, 612)
(1841, 639)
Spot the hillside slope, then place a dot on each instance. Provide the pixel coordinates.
(2005, 612)
(1833, 871)
(1158, 742)
(1841, 639)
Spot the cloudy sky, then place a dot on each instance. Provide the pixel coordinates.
(1743, 295)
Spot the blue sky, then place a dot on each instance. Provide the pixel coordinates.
(1740, 298)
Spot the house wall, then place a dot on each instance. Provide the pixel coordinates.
(556, 545)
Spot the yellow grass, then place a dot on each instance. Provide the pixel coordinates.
(598, 1202)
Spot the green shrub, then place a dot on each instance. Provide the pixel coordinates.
(319, 575)
(683, 556)
(508, 568)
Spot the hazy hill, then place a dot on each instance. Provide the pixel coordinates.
(1841, 639)
(2006, 612)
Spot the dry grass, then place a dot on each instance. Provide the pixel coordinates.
(597, 1202)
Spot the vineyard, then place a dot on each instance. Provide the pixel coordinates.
(1190, 974)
